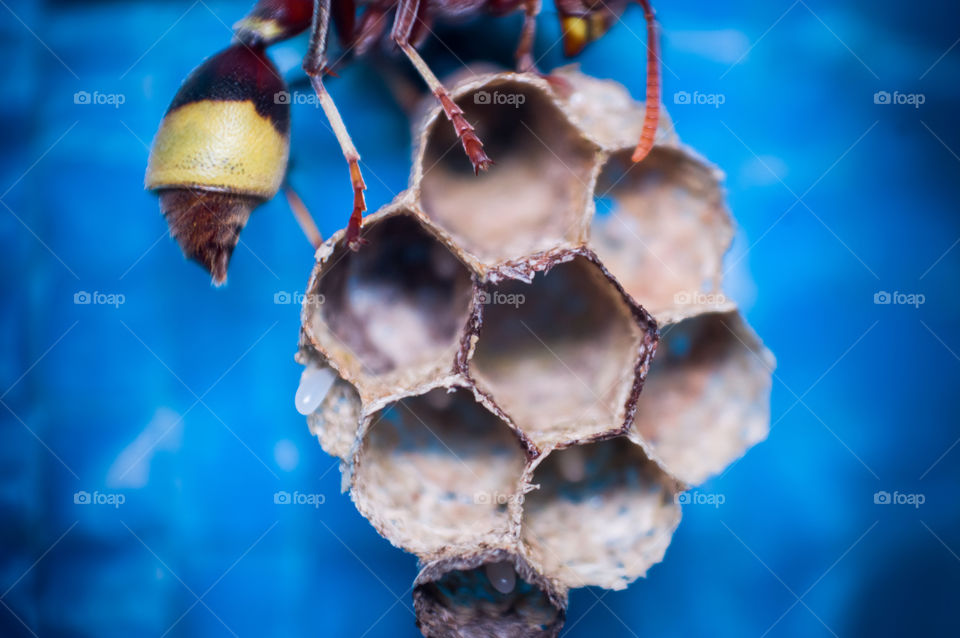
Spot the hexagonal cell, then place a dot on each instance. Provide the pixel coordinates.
(603, 513)
(389, 316)
(536, 195)
(489, 593)
(707, 397)
(438, 471)
(662, 228)
(563, 356)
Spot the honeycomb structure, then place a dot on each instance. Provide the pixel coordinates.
(491, 342)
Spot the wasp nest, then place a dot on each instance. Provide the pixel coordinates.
(478, 366)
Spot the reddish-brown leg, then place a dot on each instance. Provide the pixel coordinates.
(652, 111)
(524, 55)
(402, 27)
(314, 64)
(303, 217)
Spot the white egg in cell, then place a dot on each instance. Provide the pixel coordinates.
(502, 576)
(315, 383)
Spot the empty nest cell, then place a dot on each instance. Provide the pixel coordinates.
(436, 471)
(662, 229)
(707, 397)
(388, 316)
(535, 195)
(603, 513)
(559, 355)
(490, 593)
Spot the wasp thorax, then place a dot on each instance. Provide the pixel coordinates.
(221, 151)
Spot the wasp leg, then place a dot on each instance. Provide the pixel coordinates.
(314, 64)
(303, 217)
(402, 28)
(524, 55)
(652, 110)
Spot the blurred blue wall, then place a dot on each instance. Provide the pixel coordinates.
(837, 197)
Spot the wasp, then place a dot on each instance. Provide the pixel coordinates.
(223, 145)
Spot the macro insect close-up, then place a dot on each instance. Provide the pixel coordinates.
(223, 147)
(613, 318)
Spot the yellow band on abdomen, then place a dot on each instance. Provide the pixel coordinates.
(225, 145)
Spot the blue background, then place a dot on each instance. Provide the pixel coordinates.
(836, 198)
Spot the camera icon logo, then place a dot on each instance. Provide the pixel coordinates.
(481, 97)
(81, 97)
(881, 498)
(681, 97)
(683, 298)
(81, 498)
(281, 498)
(881, 97)
(683, 498)
(282, 298)
(281, 97)
(81, 298)
(882, 298)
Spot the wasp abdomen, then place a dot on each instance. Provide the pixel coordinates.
(207, 224)
(221, 151)
(226, 146)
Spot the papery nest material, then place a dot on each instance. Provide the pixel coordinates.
(532, 364)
